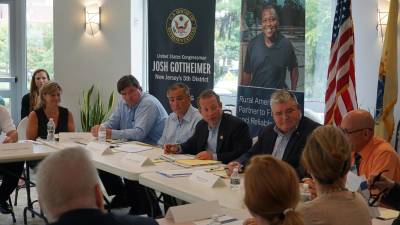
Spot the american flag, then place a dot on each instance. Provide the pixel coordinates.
(340, 96)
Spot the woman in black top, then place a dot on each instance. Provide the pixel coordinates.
(50, 97)
(30, 100)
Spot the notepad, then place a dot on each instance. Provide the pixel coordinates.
(195, 162)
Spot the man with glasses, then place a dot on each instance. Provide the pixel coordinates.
(182, 122)
(286, 138)
(218, 136)
(370, 154)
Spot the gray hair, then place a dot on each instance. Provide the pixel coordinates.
(282, 96)
(176, 86)
(64, 179)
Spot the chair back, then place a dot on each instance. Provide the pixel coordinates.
(21, 128)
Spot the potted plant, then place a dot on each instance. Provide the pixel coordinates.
(93, 113)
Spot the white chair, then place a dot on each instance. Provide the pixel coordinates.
(21, 128)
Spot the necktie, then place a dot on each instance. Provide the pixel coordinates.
(357, 161)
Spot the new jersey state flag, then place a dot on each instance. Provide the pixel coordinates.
(387, 81)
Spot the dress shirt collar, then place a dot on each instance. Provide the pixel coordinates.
(287, 134)
(369, 148)
(188, 115)
(217, 127)
(75, 216)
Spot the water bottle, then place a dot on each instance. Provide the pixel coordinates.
(51, 129)
(102, 134)
(235, 179)
(214, 220)
(305, 194)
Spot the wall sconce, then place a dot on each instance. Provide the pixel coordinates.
(93, 23)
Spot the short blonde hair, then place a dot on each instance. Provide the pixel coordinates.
(48, 88)
(327, 155)
(272, 190)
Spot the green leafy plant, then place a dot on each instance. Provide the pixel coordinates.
(93, 113)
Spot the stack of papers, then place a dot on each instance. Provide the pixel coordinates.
(176, 173)
(223, 219)
(174, 157)
(133, 148)
(195, 162)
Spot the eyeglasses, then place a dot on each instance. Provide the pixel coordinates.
(346, 131)
(373, 199)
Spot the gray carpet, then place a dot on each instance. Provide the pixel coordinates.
(19, 210)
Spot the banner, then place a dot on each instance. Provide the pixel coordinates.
(254, 107)
(271, 55)
(181, 45)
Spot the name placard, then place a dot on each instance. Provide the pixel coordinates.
(103, 149)
(207, 179)
(191, 212)
(139, 159)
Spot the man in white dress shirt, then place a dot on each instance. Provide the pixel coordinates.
(182, 122)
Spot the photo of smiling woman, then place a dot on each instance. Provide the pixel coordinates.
(49, 107)
(272, 44)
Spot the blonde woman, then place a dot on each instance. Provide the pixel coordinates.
(271, 192)
(50, 98)
(327, 158)
(30, 100)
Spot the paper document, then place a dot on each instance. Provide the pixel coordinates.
(353, 181)
(227, 220)
(176, 173)
(77, 137)
(387, 214)
(133, 148)
(174, 157)
(195, 162)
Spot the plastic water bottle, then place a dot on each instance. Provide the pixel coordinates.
(305, 194)
(51, 129)
(214, 220)
(102, 135)
(235, 179)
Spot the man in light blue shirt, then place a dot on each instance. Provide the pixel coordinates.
(182, 122)
(139, 116)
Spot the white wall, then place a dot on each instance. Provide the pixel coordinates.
(367, 52)
(81, 60)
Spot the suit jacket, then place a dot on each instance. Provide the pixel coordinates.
(233, 138)
(266, 142)
(392, 198)
(96, 217)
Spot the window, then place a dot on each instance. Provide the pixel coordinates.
(39, 37)
(319, 19)
(227, 49)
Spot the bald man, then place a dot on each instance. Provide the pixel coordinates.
(370, 154)
(69, 192)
